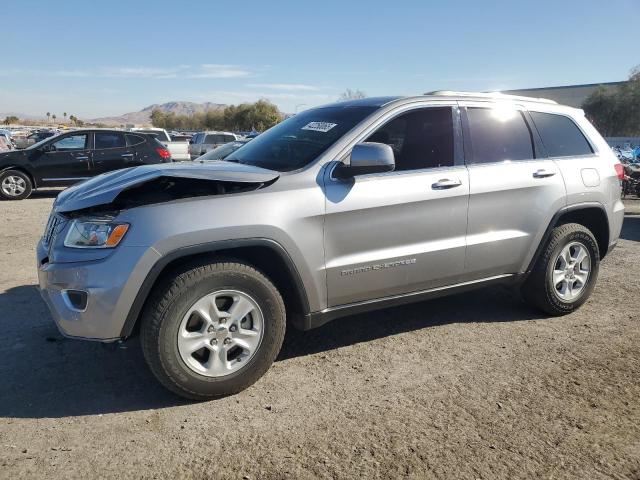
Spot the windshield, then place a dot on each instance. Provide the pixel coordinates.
(222, 151)
(41, 142)
(299, 140)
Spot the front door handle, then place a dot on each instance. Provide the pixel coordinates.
(542, 173)
(127, 155)
(445, 183)
(82, 158)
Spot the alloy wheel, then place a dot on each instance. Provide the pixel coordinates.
(571, 271)
(13, 186)
(220, 333)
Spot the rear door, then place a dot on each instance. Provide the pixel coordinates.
(515, 190)
(66, 160)
(402, 231)
(143, 149)
(110, 152)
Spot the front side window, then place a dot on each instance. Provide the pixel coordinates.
(420, 138)
(300, 139)
(560, 136)
(72, 142)
(109, 140)
(499, 134)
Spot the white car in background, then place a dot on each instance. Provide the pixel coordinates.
(179, 149)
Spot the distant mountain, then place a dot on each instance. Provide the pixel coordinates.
(144, 115)
(24, 116)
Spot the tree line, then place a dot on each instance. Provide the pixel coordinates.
(616, 113)
(259, 116)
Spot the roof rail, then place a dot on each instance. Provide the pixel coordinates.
(489, 95)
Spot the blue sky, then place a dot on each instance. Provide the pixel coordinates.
(103, 58)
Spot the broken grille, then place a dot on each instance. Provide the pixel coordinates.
(52, 228)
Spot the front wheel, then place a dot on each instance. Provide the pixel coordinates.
(565, 273)
(15, 185)
(213, 330)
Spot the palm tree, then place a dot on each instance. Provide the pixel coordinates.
(54, 117)
(48, 116)
(65, 117)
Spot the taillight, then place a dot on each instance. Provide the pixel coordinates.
(164, 153)
(619, 171)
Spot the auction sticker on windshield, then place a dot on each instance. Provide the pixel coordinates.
(323, 127)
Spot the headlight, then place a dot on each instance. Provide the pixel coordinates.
(95, 234)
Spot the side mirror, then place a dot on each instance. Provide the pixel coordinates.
(368, 157)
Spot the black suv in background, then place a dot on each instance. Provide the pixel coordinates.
(75, 156)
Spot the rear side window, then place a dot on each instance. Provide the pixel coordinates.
(134, 139)
(109, 140)
(560, 135)
(499, 134)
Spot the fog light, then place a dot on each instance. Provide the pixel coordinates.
(75, 299)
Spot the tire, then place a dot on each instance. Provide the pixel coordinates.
(541, 291)
(165, 318)
(15, 185)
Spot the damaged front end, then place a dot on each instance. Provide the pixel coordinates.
(152, 184)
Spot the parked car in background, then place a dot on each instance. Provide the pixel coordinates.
(33, 138)
(75, 156)
(8, 140)
(180, 137)
(179, 149)
(202, 142)
(5, 144)
(223, 151)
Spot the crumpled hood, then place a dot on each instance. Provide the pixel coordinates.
(103, 189)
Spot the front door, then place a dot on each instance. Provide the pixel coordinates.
(515, 189)
(402, 231)
(66, 160)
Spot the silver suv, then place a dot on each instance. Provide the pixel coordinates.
(340, 209)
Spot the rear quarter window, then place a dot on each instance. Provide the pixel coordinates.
(134, 139)
(560, 135)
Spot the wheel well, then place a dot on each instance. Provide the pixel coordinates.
(270, 261)
(20, 169)
(595, 220)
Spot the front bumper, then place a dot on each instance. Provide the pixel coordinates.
(111, 285)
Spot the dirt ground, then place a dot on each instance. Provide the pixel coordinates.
(474, 386)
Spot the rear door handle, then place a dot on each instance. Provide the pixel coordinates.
(82, 158)
(127, 155)
(542, 173)
(445, 183)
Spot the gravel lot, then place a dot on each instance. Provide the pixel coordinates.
(472, 386)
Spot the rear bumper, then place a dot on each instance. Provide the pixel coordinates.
(110, 285)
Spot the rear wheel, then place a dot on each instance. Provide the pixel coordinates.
(565, 274)
(15, 185)
(213, 330)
